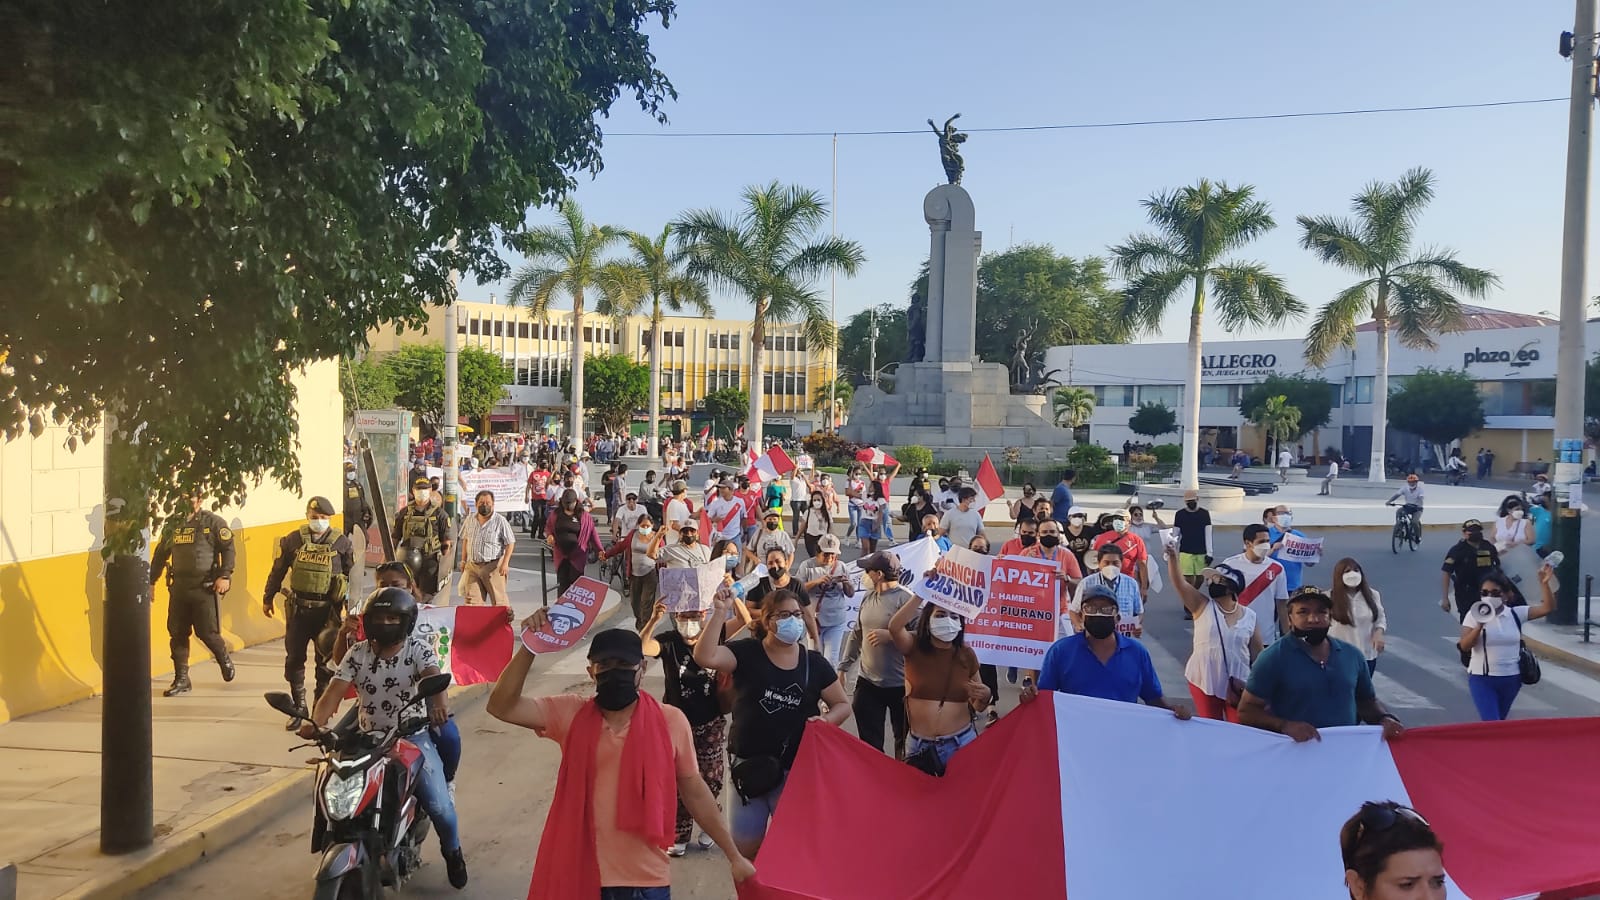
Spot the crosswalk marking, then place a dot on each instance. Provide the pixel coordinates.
(1451, 672)
(1398, 696)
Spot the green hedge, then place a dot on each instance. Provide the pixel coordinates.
(912, 457)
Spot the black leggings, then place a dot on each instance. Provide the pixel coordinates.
(870, 703)
(990, 676)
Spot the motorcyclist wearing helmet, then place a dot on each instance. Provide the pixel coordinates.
(386, 669)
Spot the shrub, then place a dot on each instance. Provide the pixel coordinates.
(912, 457)
(1093, 464)
(1168, 454)
(830, 449)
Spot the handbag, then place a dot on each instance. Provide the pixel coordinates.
(1235, 685)
(1527, 663)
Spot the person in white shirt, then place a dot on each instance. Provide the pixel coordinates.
(799, 496)
(677, 511)
(726, 512)
(627, 517)
(1328, 479)
(1357, 615)
(1494, 671)
(1265, 588)
(1410, 497)
(1108, 574)
(962, 523)
(1285, 460)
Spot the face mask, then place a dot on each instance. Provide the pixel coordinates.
(386, 634)
(1191, 504)
(1119, 525)
(1260, 550)
(318, 526)
(944, 629)
(1517, 514)
(421, 496)
(688, 538)
(1351, 579)
(1285, 520)
(616, 688)
(1312, 636)
(1218, 591)
(1028, 540)
(1109, 571)
(1077, 521)
(349, 476)
(1495, 602)
(790, 630)
(730, 561)
(1100, 626)
(690, 628)
(772, 526)
(484, 509)
(1050, 540)
(646, 530)
(980, 548)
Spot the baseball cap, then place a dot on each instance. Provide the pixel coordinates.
(320, 505)
(421, 481)
(1472, 525)
(349, 464)
(1077, 511)
(772, 514)
(1098, 591)
(883, 561)
(620, 644)
(828, 543)
(1226, 574)
(679, 486)
(1310, 594)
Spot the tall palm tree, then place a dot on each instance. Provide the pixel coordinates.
(564, 257)
(770, 253)
(1073, 406)
(655, 275)
(1195, 226)
(1409, 292)
(1280, 420)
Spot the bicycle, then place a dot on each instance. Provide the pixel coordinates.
(1407, 529)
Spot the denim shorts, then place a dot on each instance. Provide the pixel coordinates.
(748, 819)
(946, 747)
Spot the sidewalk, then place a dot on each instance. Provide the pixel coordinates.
(220, 769)
(1564, 643)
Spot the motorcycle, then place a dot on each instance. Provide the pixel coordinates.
(369, 820)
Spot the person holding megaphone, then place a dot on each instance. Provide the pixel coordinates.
(1492, 634)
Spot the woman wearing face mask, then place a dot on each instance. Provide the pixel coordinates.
(942, 684)
(1116, 533)
(1021, 509)
(777, 685)
(818, 522)
(778, 578)
(573, 537)
(917, 510)
(692, 689)
(871, 516)
(1357, 615)
(641, 567)
(1493, 671)
(1511, 527)
(1391, 853)
(1225, 639)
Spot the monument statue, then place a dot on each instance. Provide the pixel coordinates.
(916, 328)
(950, 141)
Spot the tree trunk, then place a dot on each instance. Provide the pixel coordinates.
(1191, 393)
(575, 408)
(758, 333)
(655, 381)
(1380, 387)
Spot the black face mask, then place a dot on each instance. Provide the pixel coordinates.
(616, 688)
(1099, 626)
(1312, 636)
(1050, 540)
(1191, 504)
(1218, 591)
(772, 526)
(688, 538)
(484, 509)
(1028, 540)
(386, 634)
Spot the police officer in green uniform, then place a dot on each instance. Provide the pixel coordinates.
(317, 561)
(422, 538)
(198, 556)
(357, 511)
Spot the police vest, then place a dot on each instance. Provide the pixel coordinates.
(352, 497)
(193, 554)
(417, 531)
(312, 574)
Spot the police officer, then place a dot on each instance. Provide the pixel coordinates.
(200, 552)
(357, 511)
(317, 561)
(422, 538)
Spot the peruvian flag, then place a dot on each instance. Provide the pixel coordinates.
(739, 432)
(989, 486)
(474, 643)
(1092, 799)
(705, 432)
(872, 456)
(770, 465)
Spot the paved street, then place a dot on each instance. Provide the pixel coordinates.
(508, 775)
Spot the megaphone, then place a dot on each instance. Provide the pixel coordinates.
(1482, 613)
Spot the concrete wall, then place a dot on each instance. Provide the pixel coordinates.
(51, 528)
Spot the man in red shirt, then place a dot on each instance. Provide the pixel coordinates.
(1135, 557)
(538, 485)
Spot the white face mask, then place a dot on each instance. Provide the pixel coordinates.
(646, 529)
(1109, 570)
(690, 628)
(1496, 602)
(349, 476)
(944, 628)
(1285, 520)
(318, 526)
(1516, 514)
(1260, 550)
(421, 495)
(1352, 579)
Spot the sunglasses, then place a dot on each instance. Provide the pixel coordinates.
(1382, 818)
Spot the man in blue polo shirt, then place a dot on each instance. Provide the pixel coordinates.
(1099, 662)
(1307, 680)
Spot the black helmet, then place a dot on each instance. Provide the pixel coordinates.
(390, 600)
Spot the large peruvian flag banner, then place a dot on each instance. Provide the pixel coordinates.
(473, 642)
(1091, 799)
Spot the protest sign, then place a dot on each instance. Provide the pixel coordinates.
(509, 486)
(960, 582)
(690, 589)
(915, 558)
(570, 617)
(1300, 549)
(1018, 625)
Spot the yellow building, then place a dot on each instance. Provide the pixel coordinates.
(51, 526)
(698, 356)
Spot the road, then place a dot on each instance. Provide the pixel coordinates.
(507, 775)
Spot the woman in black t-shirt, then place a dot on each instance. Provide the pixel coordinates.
(692, 688)
(777, 684)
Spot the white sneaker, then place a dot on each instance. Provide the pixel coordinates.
(705, 841)
(678, 850)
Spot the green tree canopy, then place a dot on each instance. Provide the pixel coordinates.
(855, 341)
(615, 386)
(368, 384)
(1153, 420)
(844, 391)
(1279, 419)
(1072, 407)
(1311, 396)
(418, 369)
(726, 406)
(1440, 405)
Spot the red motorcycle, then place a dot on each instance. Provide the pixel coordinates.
(369, 823)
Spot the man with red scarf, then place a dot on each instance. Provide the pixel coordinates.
(626, 760)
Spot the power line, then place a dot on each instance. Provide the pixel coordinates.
(1136, 123)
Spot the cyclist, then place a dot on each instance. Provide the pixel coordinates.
(1455, 467)
(1411, 501)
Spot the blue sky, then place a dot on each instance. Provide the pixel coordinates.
(892, 64)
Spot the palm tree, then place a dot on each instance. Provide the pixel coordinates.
(1280, 421)
(654, 275)
(1073, 406)
(1195, 226)
(769, 253)
(1409, 292)
(563, 257)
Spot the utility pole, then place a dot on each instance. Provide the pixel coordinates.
(127, 787)
(833, 300)
(872, 348)
(1570, 353)
(452, 417)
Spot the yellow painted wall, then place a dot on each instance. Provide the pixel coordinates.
(51, 589)
(1507, 446)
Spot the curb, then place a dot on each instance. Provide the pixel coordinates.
(1566, 658)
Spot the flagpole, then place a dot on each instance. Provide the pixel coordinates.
(833, 300)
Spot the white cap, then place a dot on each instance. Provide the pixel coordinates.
(1077, 511)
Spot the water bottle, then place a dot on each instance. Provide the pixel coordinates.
(1553, 561)
(743, 585)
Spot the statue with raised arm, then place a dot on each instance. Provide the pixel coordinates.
(950, 141)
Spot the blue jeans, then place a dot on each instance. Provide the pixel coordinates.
(447, 739)
(830, 641)
(855, 518)
(1493, 694)
(946, 747)
(633, 893)
(434, 794)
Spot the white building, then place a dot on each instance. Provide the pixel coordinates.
(1512, 355)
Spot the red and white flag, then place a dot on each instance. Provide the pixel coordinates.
(473, 642)
(705, 432)
(872, 456)
(739, 432)
(770, 465)
(989, 486)
(1073, 797)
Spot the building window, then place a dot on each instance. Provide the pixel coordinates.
(1335, 395)
(717, 379)
(1358, 389)
(800, 343)
(472, 326)
(523, 329)
(461, 327)
(1518, 398)
(499, 327)
(1169, 394)
(1113, 394)
(1220, 395)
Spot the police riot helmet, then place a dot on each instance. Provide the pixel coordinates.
(389, 600)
